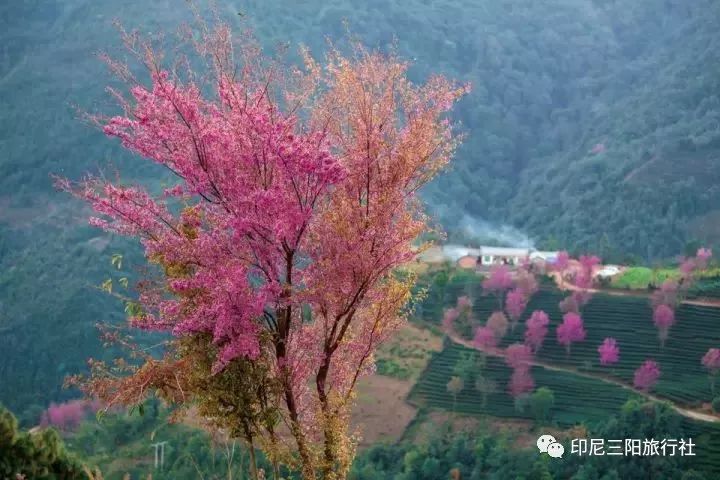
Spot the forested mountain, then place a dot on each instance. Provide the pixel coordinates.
(592, 124)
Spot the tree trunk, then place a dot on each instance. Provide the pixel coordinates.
(330, 440)
(308, 471)
(253, 461)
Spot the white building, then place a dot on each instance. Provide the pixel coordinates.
(503, 255)
(487, 256)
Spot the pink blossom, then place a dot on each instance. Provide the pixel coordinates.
(664, 318)
(536, 329)
(463, 303)
(517, 355)
(702, 257)
(609, 352)
(581, 298)
(562, 261)
(687, 267)
(485, 338)
(498, 323)
(588, 262)
(515, 304)
(711, 360)
(68, 416)
(521, 381)
(526, 282)
(571, 330)
(449, 317)
(569, 304)
(646, 375)
(499, 280)
(667, 294)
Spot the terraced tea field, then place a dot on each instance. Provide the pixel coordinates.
(629, 320)
(577, 399)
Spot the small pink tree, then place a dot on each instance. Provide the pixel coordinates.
(584, 277)
(485, 339)
(515, 304)
(68, 416)
(689, 266)
(609, 352)
(561, 264)
(526, 282)
(667, 294)
(536, 328)
(702, 258)
(498, 282)
(711, 361)
(664, 318)
(498, 323)
(646, 376)
(521, 381)
(464, 304)
(569, 305)
(570, 331)
(449, 317)
(518, 355)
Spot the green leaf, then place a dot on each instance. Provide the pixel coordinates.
(124, 282)
(107, 285)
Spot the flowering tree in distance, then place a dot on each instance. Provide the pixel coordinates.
(68, 415)
(609, 352)
(646, 376)
(711, 361)
(498, 282)
(518, 355)
(570, 331)
(664, 318)
(515, 304)
(521, 381)
(278, 248)
(498, 323)
(484, 338)
(536, 328)
(561, 264)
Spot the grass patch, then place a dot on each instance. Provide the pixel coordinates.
(638, 278)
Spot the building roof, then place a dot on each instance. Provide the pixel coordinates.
(455, 252)
(545, 255)
(468, 261)
(504, 251)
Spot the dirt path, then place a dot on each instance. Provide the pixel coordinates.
(497, 353)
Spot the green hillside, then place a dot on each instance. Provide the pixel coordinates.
(550, 81)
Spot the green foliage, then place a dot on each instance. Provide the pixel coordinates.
(483, 455)
(466, 367)
(121, 443)
(39, 456)
(638, 420)
(391, 368)
(716, 404)
(577, 399)
(541, 403)
(643, 277)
